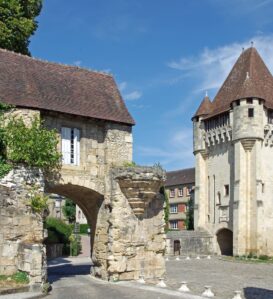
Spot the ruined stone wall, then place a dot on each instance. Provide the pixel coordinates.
(21, 231)
(135, 243)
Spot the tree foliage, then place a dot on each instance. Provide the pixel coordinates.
(17, 23)
(32, 145)
(69, 210)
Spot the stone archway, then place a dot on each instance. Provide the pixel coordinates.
(87, 199)
(128, 239)
(225, 241)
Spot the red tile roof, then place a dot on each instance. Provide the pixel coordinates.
(205, 107)
(248, 78)
(28, 82)
(180, 177)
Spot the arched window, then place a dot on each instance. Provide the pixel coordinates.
(79, 214)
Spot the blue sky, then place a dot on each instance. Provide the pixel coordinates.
(164, 56)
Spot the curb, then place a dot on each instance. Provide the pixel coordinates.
(24, 295)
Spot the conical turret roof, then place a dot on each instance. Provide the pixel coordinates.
(205, 107)
(248, 78)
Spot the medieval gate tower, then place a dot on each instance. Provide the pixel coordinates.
(233, 148)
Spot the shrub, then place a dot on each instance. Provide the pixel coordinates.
(32, 145)
(52, 237)
(61, 229)
(84, 228)
(75, 245)
(263, 257)
(5, 167)
(20, 277)
(38, 201)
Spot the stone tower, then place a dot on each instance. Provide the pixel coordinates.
(233, 148)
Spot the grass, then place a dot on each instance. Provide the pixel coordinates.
(251, 258)
(17, 278)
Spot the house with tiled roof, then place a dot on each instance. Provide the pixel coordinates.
(84, 107)
(178, 186)
(233, 138)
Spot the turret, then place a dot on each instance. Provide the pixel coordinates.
(248, 112)
(198, 126)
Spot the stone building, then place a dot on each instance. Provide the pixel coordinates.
(80, 217)
(178, 186)
(233, 154)
(123, 206)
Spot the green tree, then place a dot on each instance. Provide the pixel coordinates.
(69, 210)
(18, 24)
(32, 145)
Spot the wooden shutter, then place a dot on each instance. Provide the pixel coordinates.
(66, 135)
(77, 146)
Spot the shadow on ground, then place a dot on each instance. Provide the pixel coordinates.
(258, 293)
(61, 268)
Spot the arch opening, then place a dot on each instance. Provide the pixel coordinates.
(225, 241)
(88, 200)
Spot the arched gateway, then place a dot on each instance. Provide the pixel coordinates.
(123, 205)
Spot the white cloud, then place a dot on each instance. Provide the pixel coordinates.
(122, 86)
(77, 62)
(211, 66)
(176, 154)
(134, 95)
(127, 94)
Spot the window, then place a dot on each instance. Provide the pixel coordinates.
(226, 190)
(174, 224)
(250, 112)
(188, 190)
(238, 102)
(71, 146)
(218, 198)
(262, 187)
(172, 192)
(173, 209)
(180, 192)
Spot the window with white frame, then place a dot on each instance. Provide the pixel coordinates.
(173, 208)
(71, 146)
(174, 224)
(172, 192)
(180, 192)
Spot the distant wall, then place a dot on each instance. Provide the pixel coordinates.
(191, 242)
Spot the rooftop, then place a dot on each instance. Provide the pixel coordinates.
(248, 78)
(32, 83)
(180, 177)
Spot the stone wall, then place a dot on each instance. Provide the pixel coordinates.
(191, 242)
(135, 242)
(21, 231)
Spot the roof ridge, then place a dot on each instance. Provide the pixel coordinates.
(57, 63)
(181, 169)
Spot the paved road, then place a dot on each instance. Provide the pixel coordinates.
(71, 280)
(254, 280)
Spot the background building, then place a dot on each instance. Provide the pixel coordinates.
(233, 138)
(178, 186)
(80, 217)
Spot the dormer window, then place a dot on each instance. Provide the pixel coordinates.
(70, 146)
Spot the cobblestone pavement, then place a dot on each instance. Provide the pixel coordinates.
(255, 280)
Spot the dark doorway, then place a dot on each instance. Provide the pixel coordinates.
(176, 247)
(225, 241)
